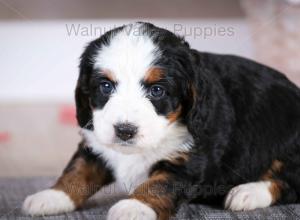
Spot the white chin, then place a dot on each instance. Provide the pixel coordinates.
(130, 147)
(127, 149)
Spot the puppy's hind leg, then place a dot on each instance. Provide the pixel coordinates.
(271, 189)
(249, 196)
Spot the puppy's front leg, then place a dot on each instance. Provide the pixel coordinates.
(157, 198)
(85, 175)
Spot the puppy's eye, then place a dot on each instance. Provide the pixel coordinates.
(157, 91)
(106, 87)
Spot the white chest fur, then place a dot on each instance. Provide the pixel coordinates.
(131, 170)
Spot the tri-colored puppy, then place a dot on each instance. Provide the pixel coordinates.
(173, 125)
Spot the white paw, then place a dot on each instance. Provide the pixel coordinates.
(249, 196)
(131, 209)
(47, 202)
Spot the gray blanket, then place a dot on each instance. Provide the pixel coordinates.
(14, 190)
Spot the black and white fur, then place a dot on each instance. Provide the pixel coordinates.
(236, 118)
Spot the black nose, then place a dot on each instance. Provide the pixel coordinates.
(125, 131)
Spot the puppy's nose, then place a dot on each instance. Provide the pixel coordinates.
(125, 131)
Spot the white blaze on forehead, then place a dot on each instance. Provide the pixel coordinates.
(129, 54)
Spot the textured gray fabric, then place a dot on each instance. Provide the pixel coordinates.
(14, 190)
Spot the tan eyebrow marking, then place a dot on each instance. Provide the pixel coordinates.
(153, 75)
(109, 75)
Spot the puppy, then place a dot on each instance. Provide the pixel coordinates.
(172, 125)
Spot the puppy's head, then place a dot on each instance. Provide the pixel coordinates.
(134, 87)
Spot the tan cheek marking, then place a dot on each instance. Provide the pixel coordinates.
(276, 185)
(180, 159)
(81, 181)
(173, 116)
(154, 194)
(153, 75)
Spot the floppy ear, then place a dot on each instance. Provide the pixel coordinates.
(200, 103)
(209, 117)
(82, 92)
(82, 98)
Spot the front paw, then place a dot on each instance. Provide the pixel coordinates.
(48, 202)
(131, 209)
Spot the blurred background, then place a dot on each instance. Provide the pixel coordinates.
(41, 41)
